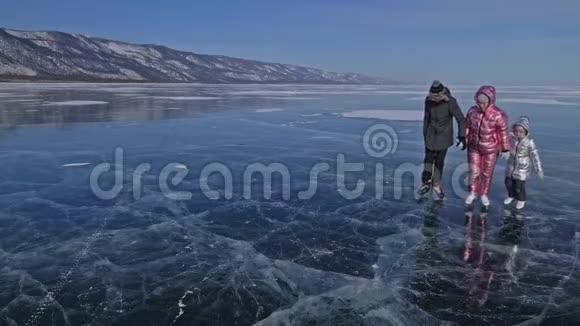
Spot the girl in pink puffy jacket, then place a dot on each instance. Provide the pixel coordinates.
(487, 136)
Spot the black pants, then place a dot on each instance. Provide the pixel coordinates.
(434, 162)
(516, 188)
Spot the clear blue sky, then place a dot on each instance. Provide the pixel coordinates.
(499, 41)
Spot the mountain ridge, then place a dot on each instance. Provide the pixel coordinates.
(59, 56)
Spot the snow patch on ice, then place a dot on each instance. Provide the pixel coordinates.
(537, 101)
(186, 98)
(20, 100)
(403, 115)
(289, 98)
(132, 95)
(268, 110)
(401, 92)
(75, 164)
(311, 115)
(15, 95)
(268, 93)
(72, 103)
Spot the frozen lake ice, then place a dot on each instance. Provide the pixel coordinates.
(70, 258)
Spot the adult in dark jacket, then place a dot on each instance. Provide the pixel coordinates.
(440, 109)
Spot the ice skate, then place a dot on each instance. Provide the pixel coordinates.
(438, 194)
(470, 199)
(424, 189)
(485, 201)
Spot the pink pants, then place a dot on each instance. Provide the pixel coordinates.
(481, 168)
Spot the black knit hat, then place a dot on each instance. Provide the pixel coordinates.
(436, 87)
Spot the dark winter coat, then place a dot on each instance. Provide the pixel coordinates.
(438, 121)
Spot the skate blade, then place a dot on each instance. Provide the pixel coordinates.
(422, 192)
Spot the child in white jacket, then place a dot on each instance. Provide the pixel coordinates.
(523, 155)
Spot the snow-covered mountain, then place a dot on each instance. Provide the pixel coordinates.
(73, 57)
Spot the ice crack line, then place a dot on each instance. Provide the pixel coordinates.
(65, 277)
(551, 301)
(181, 306)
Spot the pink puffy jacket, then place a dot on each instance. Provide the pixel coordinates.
(487, 132)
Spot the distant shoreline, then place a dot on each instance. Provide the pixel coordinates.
(44, 81)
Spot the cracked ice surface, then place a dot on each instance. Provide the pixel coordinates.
(68, 258)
